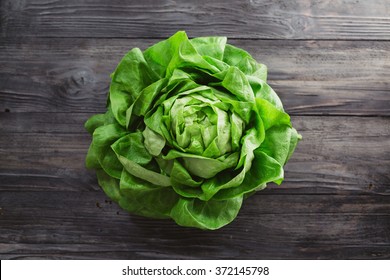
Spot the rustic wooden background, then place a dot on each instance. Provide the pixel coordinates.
(328, 60)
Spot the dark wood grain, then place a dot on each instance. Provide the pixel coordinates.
(44, 151)
(298, 19)
(311, 77)
(86, 225)
(329, 61)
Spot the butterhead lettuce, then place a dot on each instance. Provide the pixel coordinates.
(191, 130)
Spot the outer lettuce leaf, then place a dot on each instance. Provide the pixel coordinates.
(191, 130)
(131, 76)
(160, 55)
(143, 198)
(205, 215)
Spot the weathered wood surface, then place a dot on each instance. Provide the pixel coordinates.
(311, 77)
(45, 151)
(297, 19)
(328, 60)
(84, 225)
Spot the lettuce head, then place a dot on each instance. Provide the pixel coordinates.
(192, 129)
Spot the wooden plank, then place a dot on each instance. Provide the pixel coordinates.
(311, 77)
(46, 151)
(129, 251)
(296, 19)
(85, 225)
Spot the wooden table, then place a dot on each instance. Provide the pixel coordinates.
(328, 60)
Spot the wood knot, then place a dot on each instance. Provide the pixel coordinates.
(370, 186)
(299, 23)
(81, 78)
(74, 81)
